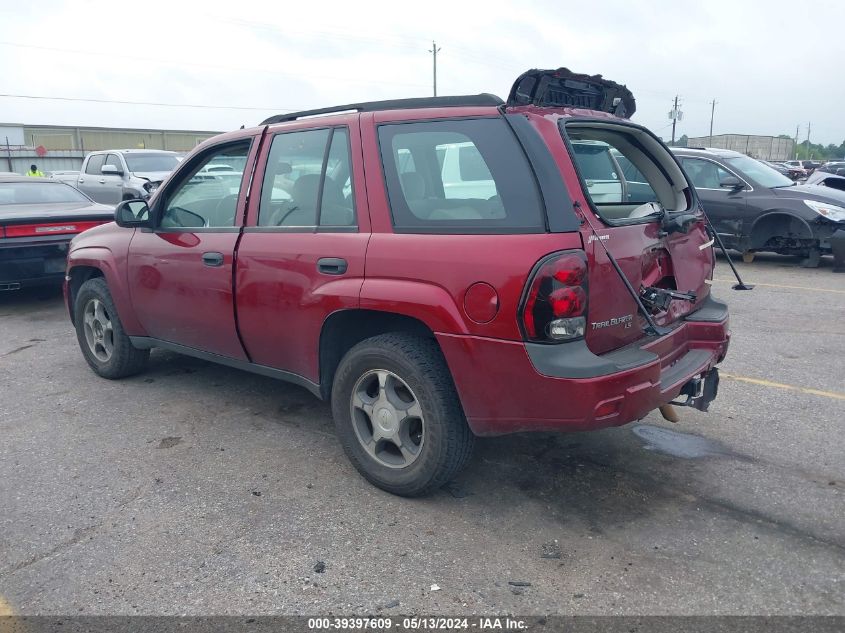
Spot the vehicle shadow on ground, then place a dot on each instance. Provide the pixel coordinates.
(599, 480)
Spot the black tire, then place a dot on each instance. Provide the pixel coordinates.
(448, 440)
(124, 360)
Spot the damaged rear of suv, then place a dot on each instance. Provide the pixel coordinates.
(438, 269)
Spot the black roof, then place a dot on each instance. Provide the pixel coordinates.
(483, 99)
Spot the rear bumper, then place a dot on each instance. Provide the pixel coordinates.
(507, 387)
(32, 262)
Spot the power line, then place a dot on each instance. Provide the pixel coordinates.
(183, 63)
(151, 103)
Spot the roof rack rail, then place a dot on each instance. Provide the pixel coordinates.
(483, 99)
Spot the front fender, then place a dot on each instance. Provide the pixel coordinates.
(113, 267)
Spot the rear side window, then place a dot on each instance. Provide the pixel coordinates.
(308, 180)
(459, 176)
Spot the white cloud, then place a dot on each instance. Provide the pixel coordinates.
(771, 65)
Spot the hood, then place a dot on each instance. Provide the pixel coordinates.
(563, 88)
(55, 210)
(154, 176)
(811, 192)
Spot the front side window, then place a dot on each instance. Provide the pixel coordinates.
(208, 199)
(114, 161)
(308, 180)
(95, 163)
(704, 174)
(459, 176)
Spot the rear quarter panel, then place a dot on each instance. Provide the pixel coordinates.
(425, 275)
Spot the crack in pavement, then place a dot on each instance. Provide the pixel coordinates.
(79, 535)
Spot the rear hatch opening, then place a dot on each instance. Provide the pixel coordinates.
(627, 175)
(631, 182)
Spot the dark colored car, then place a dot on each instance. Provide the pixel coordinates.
(837, 168)
(825, 179)
(793, 173)
(38, 218)
(810, 165)
(436, 268)
(754, 208)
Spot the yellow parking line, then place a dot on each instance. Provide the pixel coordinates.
(754, 283)
(5, 608)
(780, 385)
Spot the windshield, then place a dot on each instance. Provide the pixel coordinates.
(762, 174)
(151, 162)
(38, 193)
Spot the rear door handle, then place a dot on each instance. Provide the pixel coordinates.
(102, 181)
(332, 265)
(212, 259)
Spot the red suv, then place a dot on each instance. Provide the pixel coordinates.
(438, 268)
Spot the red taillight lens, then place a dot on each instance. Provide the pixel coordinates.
(554, 307)
(50, 228)
(569, 270)
(569, 301)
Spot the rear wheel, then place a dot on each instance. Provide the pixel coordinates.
(102, 340)
(398, 416)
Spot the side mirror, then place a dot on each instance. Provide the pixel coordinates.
(731, 182)
(110, 170)
(132, 214)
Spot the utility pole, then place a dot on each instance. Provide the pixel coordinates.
(796, 140)
(808, 141)
(676, 115)
(712, 112)
(434, 50)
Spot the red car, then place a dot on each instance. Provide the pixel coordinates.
(437, 268)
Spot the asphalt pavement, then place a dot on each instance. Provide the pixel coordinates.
(199, 489)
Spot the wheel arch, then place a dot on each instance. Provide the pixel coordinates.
(95, 261)
(778, 222)
(78, 275)
(344, 329)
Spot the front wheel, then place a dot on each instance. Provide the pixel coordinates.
(104, 344)
(397, 414)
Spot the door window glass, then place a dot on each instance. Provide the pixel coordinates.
(114, 160)
(297, 191)
(94, 165)
(704, 173)
(208, 199)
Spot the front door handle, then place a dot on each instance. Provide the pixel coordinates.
(332, 265)
(212, 259)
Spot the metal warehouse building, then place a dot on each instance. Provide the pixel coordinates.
(58, 147)
(762, 147)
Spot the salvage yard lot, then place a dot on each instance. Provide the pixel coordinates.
(195, 488)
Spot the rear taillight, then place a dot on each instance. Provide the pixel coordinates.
(49, 228)
(554, 308)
